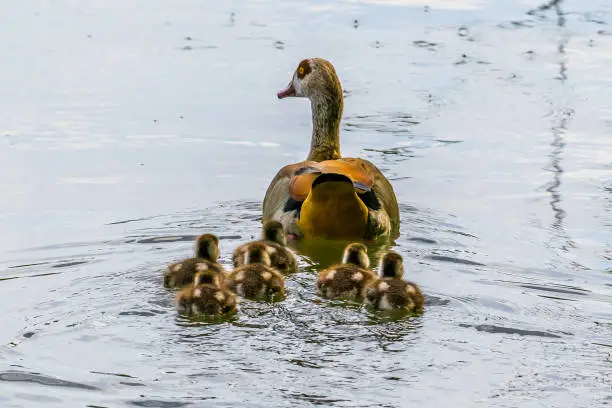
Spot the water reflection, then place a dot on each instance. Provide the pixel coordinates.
(561, 118)
(558, 148)
(556, 4)
(321, 253)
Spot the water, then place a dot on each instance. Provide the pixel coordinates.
(130, 127)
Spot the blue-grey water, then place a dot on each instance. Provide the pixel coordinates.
(129, 127)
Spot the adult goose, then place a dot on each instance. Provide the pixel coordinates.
(328, 196)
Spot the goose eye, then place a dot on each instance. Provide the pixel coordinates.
(303, 69)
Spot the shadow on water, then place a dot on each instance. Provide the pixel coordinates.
(36, 378)
(488, 328)
(158, 403)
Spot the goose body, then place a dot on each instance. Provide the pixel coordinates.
(183, 273)
(328, 196)
(349, 279)
(256, 281)
(273, 239)
(256, 278)
(206, 299)
(390, 291)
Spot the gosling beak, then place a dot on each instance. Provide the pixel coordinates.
(288, 91)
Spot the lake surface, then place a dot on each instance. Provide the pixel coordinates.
(130, 127)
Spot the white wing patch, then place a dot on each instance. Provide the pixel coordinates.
(383, 286)
(177, 267)
(357, 276)
(266, 275)
(202, 266)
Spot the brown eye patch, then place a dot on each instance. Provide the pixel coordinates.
(303, 69)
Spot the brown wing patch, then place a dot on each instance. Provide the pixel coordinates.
(356, 170)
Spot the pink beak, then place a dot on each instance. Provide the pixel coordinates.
(288, 91)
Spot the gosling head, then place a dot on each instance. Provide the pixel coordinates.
(207, 247)
(276, 286)
(316, 79)
(257, 253)
(391, 265)
(273, 231)
(207, 277)
(356, 254)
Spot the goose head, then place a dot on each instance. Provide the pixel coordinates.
(257, 253)
(391, 265)
(316, 79)
(273, 231)
(207, 247)
(208, 277)
(356, 254)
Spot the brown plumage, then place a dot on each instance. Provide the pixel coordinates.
(390, 291)
(273, 237)
(256, 279)
(353, 199)
(206, 255)
(210, 276)
(349, 279)
(356, 254)
(205, 299)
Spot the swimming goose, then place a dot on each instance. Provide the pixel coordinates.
(328, 196)
(206, 255)
(256, 278)
(273, 237)
(349, 279)
(206, 299)
(390, 291)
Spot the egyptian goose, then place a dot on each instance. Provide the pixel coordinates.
(349, 279)
(390, 291)
(182, 273)
(256, 278)
(206, 299)
(273, 237)
(328, 196)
